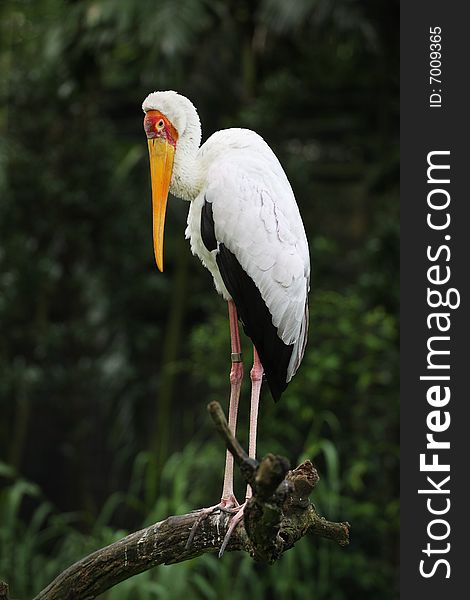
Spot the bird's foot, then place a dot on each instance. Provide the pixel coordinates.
(237, 516)
(228, 505)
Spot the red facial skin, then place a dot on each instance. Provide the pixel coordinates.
(153, 127)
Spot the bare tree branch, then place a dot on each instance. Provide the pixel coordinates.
(275, 518)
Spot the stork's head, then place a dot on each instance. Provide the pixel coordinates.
(168, 123)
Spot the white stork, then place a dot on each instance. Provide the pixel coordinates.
(245, 226)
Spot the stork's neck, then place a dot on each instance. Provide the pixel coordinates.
(186, 181)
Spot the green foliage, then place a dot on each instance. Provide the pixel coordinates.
(106, 366)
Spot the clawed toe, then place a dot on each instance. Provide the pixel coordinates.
(237, 517)
(227, 505)
(204, 513)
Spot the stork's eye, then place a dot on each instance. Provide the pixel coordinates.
(160, 124)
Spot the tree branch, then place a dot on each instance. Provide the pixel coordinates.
(275, 518)
(4, 595)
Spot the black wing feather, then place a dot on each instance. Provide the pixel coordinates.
(256, 320)
(207, 227)
(252, 311)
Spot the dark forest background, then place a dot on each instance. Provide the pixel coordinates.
(106, 365)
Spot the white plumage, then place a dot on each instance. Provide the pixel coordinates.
(254, 212)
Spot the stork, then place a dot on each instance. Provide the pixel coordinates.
(244, 225)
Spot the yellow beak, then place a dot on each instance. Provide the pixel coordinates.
(161, 155)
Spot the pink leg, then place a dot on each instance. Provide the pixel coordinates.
(236, 376)
(256, 376)
(228, 501)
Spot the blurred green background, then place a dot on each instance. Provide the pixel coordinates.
(106, 366)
